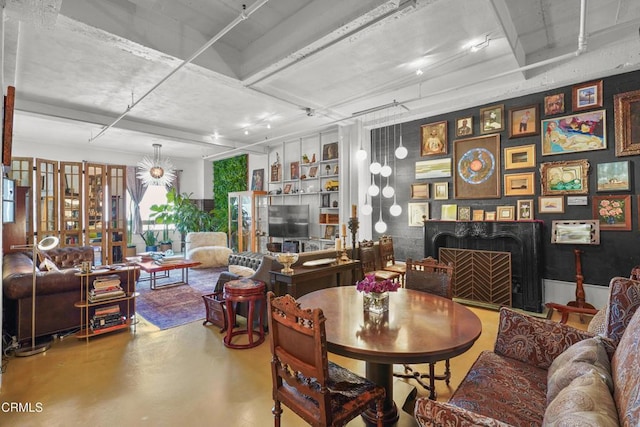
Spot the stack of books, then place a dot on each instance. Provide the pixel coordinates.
(106, 287)
(167, 260)
(106, 317)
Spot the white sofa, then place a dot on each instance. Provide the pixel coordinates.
(208, 247)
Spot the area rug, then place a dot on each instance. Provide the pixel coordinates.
(176, 305)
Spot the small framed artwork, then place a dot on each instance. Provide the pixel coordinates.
(492, 119)
(438, 168)
(313, 171)
(330, 151)
(574, 133)
(490, 216)
(568, 177)
(554, 104)
(523, 121)
(551, 204)
(520, 157)
(420, 191)
(506, 213)
(416, 213)
(449, 212)
(612, 212)
(582, 232)
(478, 215)
(326, 200)
(257, 180)
(464, 213)
(626, 108)
(613, 176)
(477, 161)
(295, 170)
(329, 232)
(464, 126)
(586, 96)
(276, 173)
(519, 184)
(434, 139)
(287, 189)
(441, 190)
(525, 209)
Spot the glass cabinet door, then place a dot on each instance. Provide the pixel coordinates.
(71, 200)
(47, 198)
(242, 225)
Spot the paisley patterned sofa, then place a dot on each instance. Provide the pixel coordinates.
(545, 373)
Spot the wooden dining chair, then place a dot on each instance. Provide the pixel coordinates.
(388, 258)
(321, 392)
(435, 278)
(370, 262)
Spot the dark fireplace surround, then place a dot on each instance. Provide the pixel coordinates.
(523, 239)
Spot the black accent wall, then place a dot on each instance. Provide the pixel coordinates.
(618, 250)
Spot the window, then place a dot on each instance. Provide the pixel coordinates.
(155, 195)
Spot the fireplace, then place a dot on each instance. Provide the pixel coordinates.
(523, 239)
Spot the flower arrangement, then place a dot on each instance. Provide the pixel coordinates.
(369, 284)
(610, 208)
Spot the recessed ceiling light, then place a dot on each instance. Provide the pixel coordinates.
(419, 72)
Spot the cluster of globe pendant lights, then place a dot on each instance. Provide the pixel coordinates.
(384, 171)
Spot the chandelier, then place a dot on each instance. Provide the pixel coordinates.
(156, 171)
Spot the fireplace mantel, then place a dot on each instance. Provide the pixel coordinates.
(522, 238)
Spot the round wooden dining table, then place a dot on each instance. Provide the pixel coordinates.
(418, 328)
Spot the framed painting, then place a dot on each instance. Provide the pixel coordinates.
(478, 215)
(464, 213)
(520, 157)
(420, 191)
(329, 232)
(574, 133)
(313, 171)
(612, 212)
(449, 212)
(464, 126)
(330, 151)
(568, 177)
(551, 204)
(524, 209)
(439, 168)
(416, 212)
(490, 216)
(257, 180)
(506, 213)
(581, 232)
(440, 190)
(554, 104)
(276, 173)
(613, 176)
(523, 121)
(519, 184)
(295, 170)
(626, 108)
(492, 119)
(434, 139)
(477, 167)
(586, 96)
(287, 189)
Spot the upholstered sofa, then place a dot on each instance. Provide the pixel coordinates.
(209, 248)
(546, 373)
(57, 290)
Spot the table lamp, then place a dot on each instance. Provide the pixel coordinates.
(45, 244)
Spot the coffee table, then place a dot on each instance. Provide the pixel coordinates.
(153, 268)
(419, 328)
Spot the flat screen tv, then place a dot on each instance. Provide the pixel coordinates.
(289, 221)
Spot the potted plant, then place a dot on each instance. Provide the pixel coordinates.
(150, 238)
(163, 214)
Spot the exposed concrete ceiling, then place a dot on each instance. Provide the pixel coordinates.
(296, 65)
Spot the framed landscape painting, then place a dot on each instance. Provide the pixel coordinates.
(439, 168)
(522, 156)
(586, 96)
(613, 176)
(574, 133)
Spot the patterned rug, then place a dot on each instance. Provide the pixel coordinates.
(176, 305)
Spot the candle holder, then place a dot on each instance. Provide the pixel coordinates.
(353, 227)
(344, 257)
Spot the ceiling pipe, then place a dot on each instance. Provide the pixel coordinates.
(246, 13)
(582, 47)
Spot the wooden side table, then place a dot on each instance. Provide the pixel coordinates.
(251, 292)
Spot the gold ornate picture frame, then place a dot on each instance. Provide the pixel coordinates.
(626, 108)
(569, 177)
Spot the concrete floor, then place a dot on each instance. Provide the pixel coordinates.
(183, 377)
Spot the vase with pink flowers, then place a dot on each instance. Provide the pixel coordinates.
(375, 297)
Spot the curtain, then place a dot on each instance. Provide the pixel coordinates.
(136, 190)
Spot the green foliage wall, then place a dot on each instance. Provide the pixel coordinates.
(228, 175)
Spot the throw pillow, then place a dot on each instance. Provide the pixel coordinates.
(242, 271)
(586, 402)
(581, 358)
(48, 265)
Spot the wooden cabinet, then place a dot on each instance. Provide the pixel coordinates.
(243, 214)
(71, 204)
